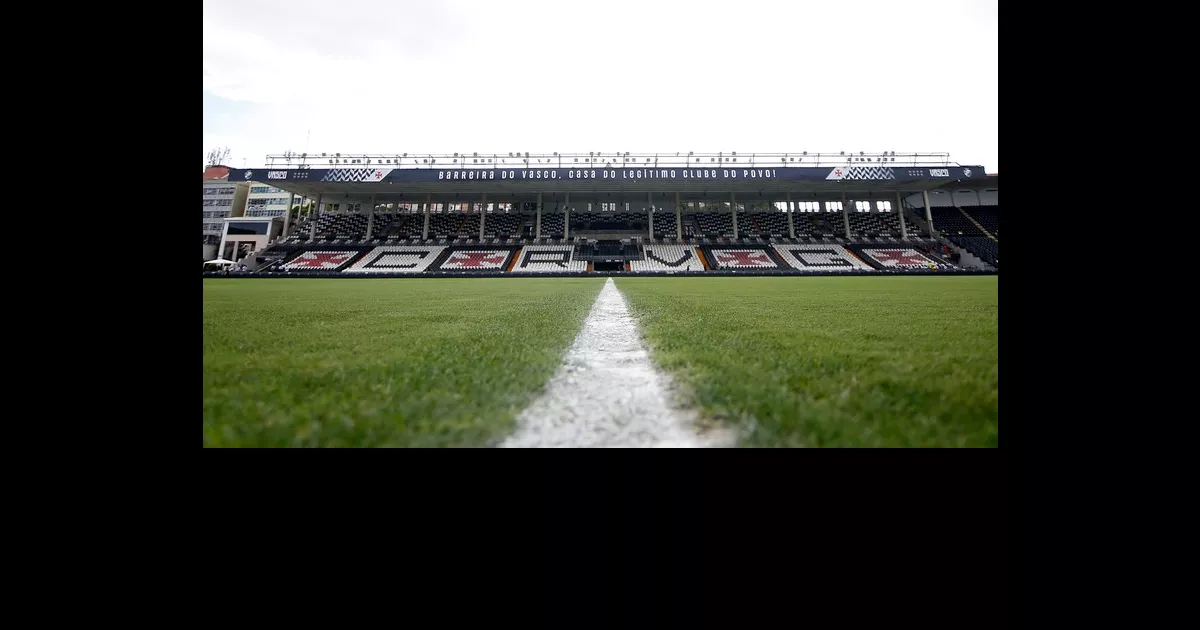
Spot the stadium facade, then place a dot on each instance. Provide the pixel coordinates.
(267, 201)
(645, 213)
(222, 199)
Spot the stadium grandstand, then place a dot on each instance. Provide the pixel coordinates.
(680, 213)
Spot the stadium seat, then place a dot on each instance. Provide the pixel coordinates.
(810, 257)
(668, 258)
(396, 259)
(548, 259)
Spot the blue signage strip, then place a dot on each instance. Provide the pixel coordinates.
(453, 175)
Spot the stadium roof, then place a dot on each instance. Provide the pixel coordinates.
(616, 176)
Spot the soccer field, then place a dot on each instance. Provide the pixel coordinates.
(787, 361)
(828, 361)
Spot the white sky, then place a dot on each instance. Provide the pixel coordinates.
(493, 76)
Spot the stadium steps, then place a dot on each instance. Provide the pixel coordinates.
(914, 220)
(436, 265)
(977, 224)
(355, 258)
(516, 257)
(290, 256)
(252, 263)
(968, 260)
(855, 255)
(703, 260)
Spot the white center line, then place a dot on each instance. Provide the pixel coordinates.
(608, 394)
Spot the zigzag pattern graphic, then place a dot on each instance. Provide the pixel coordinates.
(356, 174)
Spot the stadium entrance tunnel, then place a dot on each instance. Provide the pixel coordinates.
(609, 265)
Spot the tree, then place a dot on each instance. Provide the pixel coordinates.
(303, 211)
(218, 156)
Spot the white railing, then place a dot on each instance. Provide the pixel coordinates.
(603, 160)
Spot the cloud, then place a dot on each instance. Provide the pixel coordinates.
(487, 76)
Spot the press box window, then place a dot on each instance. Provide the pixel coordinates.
(243, 228)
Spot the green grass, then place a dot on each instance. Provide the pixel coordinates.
(419, 362)
(827, 361)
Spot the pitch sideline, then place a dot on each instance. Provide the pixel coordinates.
(608, 394)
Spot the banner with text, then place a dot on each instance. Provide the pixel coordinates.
(451, 176)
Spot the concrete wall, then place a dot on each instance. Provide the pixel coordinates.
(260, 241)
(239, 199)
(957, 197)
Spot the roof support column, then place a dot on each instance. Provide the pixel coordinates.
(482, 216)
(900, 211)
(287, 216)
(678, 219)
(650, 214)
(371, 217)
(312, 220)
(928, 214)
(567, 217)
(733, 206)
(425, 228)
(537, 225)
(791, 207)
(845, 215)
